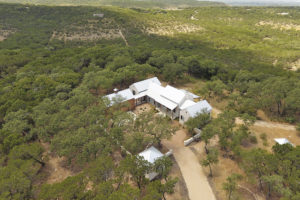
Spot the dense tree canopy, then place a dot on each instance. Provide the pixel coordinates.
(52, 83)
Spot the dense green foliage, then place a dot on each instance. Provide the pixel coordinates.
(54, 74)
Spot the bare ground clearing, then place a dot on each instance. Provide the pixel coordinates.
(53, 168)
(221, 171)
(5, 34)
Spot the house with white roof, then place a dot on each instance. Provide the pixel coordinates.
(169, 100)
(120, 96)
(192, 109)
(142, 86)
(151, 155)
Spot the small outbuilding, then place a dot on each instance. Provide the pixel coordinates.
(151, 155)
(282, 141)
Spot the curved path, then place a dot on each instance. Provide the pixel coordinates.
(260, 123)
(194, 177)
(192, 172)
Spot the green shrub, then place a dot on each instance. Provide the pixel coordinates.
(253, 139)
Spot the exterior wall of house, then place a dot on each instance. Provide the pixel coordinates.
(162, 108)
(128, 105)
(131, 104)
(150, 100)
(184, 116)
(141, 100)
(176, 113)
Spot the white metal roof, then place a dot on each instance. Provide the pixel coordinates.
(186, 104)
(151, 154)
(155, 91)
(282, 141)
(189, 93)
(123, 95)
(173, 94)
(199, 107)
(142, 94)
(144, 85)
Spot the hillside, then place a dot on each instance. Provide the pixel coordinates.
(60, 139)
(169, 4)
(253, 35)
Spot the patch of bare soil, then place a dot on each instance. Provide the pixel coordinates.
(193, 18)
(5, 33)
(226, 166)
(280, 26)
(262, 116)
(294, 66)
(230, 19)
(221, 171)
(172, 28)
(146, 107)
(215, 112)
(177, 139)
(264, 123)
(273, 132)
(89, 32)
(53, 168)
(87, 35)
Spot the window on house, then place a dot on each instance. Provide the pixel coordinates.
(133, 92)
(181, 117)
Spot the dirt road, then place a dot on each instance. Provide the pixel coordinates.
(260, 123)
(192, 172)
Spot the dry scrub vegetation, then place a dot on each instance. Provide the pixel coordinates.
(280, 26)
(91, 31)
(172, 28)
(294, 66)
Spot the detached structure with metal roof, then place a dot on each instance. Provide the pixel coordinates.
(282, 141)
(151, 155)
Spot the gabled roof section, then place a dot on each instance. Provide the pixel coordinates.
(123, 95)
(191, 94)
(144, 85)
(186, 104)
(151, 154)
(155, 91)
(199, 107)
(173, 94)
